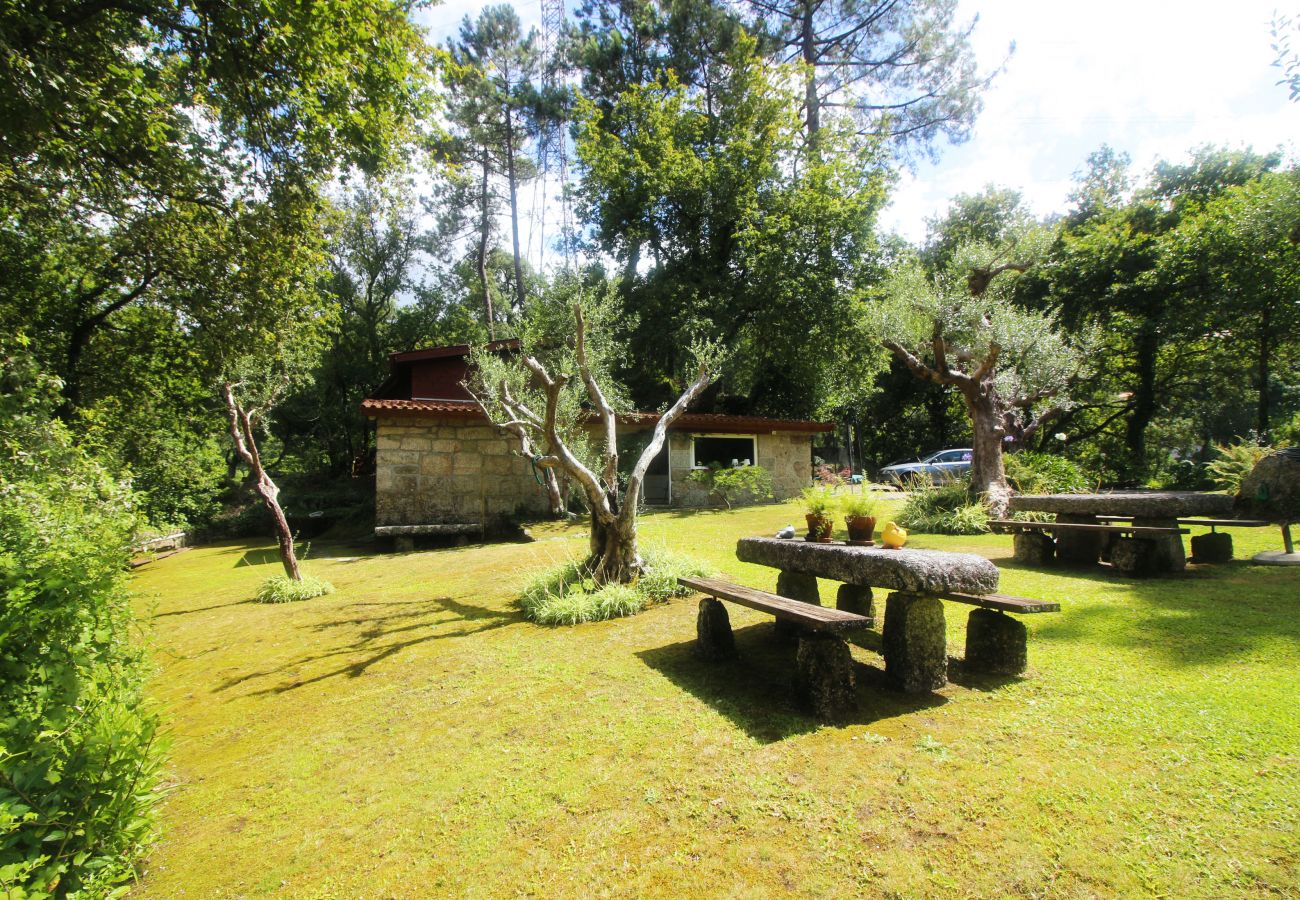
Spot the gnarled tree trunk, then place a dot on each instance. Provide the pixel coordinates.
(241, 432)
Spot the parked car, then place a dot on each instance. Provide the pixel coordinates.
(945, 465)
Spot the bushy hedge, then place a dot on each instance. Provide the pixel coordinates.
(78, 756)
(1045, 473)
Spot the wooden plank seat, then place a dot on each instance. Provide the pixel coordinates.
(1004, 603)
(1134, 530)
(816, 618)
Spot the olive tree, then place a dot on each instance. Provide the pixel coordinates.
(959, 327)
(555, 393)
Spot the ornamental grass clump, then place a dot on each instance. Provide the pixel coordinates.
(283, 589)
(567, 594)
(942, 509)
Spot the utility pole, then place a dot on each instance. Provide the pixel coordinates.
(555, 141)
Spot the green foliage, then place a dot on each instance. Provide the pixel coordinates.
(567, 595)
(865, 503)
(78, 756)
(818, 500)
(942, 509)
(1045, 473)
(741, 485)
(1234, 462)
(283, 589)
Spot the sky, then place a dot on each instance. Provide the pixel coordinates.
(1151, 78)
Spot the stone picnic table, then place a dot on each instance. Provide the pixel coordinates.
(1146, 509)
(914, 633)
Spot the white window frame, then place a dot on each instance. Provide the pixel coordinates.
(753, 437)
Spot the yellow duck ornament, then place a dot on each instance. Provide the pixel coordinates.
(893, 537)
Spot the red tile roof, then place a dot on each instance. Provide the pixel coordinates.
(707, 422)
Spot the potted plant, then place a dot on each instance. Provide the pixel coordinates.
(860, 517)
(818, 502)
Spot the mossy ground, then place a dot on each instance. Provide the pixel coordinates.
(411, 735)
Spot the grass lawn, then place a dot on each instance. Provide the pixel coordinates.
(411, 735)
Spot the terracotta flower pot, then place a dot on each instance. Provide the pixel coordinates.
(819, 528)
(861, 528)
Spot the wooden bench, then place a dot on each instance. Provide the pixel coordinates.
(825, 678)
(1131, 549)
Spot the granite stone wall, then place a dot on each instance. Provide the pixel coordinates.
(443, 470)
(461, 471)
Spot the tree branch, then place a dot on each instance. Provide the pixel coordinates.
(610, 472)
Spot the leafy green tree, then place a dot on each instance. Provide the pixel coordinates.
(903, 69)
(959, 327)
(724, 224)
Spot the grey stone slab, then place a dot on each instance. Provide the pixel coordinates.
(1168, 504)
(917, 571)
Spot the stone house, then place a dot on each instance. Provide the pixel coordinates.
(442, 467)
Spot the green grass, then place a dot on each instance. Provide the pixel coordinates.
(413, 735)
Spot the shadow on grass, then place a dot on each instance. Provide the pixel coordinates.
(754, 690)
(374, 642)
(1201, 616)
(199, 609)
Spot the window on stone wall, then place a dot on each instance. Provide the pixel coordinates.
(724, 450)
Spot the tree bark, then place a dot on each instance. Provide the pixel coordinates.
(808, 50)
(1144, 396)
(514, 209)
(1262, 373)
(485, 225)
(988, 474)
(241, 432)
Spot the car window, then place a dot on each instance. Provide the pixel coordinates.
(952, 456)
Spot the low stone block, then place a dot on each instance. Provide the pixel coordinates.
(996, 643)
(856, 599)
(824, 679)
(1034, 548)
(1170, 556)
(1134, 556)
(1078, 546)
(797, 587)
(915, 643)
(1212, 548)
(713, 638)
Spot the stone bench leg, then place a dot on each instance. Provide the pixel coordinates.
(1169, 550)
(1135, 556)
(713, 638)
(797, 587)
(404, 544)
(915, 643)
(1078, 546)
(857, 599)
(1215, 547)
(1033, 548)
(824, 678)
(996, 643)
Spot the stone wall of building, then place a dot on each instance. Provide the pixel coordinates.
(786, 455)
(449, 470)
(460, 471)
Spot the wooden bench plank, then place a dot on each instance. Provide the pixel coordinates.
(819, 618)
(1136, 530)
(1211, 523)
(1004, 602)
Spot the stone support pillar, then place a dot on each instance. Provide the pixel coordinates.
(1034, 548)
(824, 677)
(1215, 547)
(713, 638)
(856, 599)
(1078, 546)
(797, 587)
(996, 643)
(915, 643)
(1169, 550)
(1135, 556)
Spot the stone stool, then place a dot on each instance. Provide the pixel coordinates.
(996, 643)
(915, 642)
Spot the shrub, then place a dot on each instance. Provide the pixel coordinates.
(818, 500)
(566, 595)
(741, 485)
(283, 589)
(78, 755)
(866, 503)
(1045, 473)
(942, 509)
(1234, 463)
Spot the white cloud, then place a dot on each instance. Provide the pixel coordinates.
(1149, 78)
